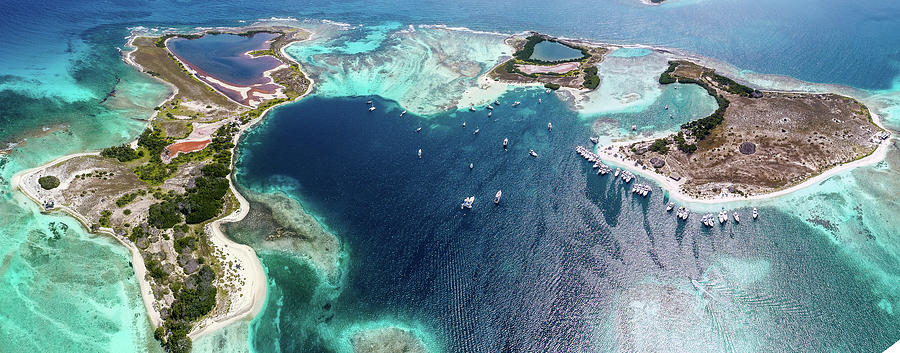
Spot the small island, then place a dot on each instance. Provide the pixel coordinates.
(757, 142)
(553, 62)
(164, 195)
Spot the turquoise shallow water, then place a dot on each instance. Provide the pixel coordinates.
(825, 257)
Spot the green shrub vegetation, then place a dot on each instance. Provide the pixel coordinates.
(205, 200)
(184, 242)
(154, 171)
(154, 268)
(48, 182)
(136, 233)
(666, 77)
(660, 145)
(104, 218)
(164, 215)
(256, 53)
(551, 85)
(701, 128)
(123, 153)
(683, 146)
(528, 49)
(732, 87)
(161, 41)
(154, 141)
(129, 197)
(591, 80)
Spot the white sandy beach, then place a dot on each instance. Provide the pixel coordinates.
(674, 187)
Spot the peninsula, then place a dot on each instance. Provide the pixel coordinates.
(164, 195)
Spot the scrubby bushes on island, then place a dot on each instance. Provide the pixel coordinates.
(48, 182)
(164, 215)
(122, 153)
(666, 77)
(660, 145)
(591, 80)
(191, 303)
(104, 218)
(551, 85)
(129, 197)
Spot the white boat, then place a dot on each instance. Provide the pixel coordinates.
(539, 101)
(490, 113)
(497, 197)
(723, 217)
(402, 113)
(682, 213)
(420, 153)
(516, 103)
(505, 143)
(671, 116)
(633, 127)
(467, 203)
(472, 108)
(533, 153)
(490, 107)
(464, 124)
(595, 140)
(548, 91)
(419, 129)
(670, 206)
(549, 126)
(471, 166)
(497, 103)
(475, 132)
(755, 214)
(667, 107)
(736, 217)
(372, 108)
(369, 102)
(617, 172)
(641, 189)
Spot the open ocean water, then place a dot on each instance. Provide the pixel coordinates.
(568, 262)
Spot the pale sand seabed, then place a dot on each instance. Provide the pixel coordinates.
(428, 70)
